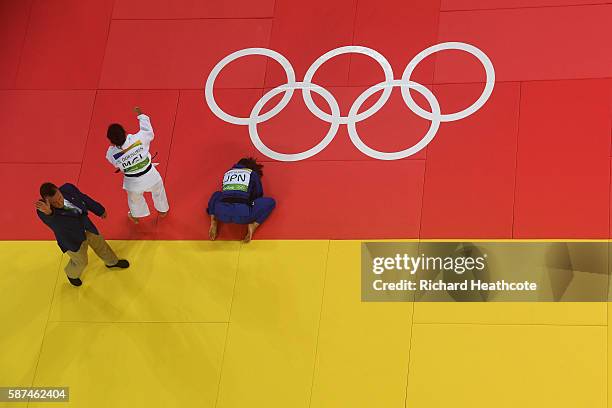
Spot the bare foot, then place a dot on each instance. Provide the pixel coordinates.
(250, 231)
(162, 214)
(131, 217)
(212, 232)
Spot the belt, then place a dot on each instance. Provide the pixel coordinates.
(149, 167)
(236, 200)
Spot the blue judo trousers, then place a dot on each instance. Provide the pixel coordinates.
(241, 201)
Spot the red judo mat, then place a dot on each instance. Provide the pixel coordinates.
(533, 162)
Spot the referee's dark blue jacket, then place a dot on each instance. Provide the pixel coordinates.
(69, 226)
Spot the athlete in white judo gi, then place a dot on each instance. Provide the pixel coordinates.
(130, 154)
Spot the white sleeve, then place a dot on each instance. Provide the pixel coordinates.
(146, 130)
(110, 158)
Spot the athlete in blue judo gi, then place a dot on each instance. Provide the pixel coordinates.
(241, 201)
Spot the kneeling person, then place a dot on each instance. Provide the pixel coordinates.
(241, 201)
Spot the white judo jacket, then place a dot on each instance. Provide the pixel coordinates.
(133, 157)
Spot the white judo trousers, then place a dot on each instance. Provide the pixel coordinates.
(138, 204)
(133, 158)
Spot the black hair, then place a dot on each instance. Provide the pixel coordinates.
(48, 190)
(251, 163)
(116, 134)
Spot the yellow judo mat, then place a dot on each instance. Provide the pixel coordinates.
(279, 324)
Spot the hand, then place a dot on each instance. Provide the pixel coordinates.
(44, 206)
(103, 216)
(137, 110)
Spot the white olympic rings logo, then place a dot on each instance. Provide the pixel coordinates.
(354, 116)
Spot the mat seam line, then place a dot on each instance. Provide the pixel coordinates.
(504, 81)
(421, 210)
(176, 108)
(192, 18)
(525, 7)
(314, 366)
(265, 78)
(434, 56)
(372, 239)
(227, 330)
(409, 355)
(427, 148)
(23, 44)
(42, 343)
(609, 192)
(34, 162)
(608, 295)
(262, 161)
(137, 322)
(110, 22)
(511, 324)
(516, 157)
(89, 130)
(348, 77)
(174, 120)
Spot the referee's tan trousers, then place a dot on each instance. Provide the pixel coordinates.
(78, 260)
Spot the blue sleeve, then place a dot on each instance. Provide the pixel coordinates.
(256, 188)
(47, 219)
(92, 205)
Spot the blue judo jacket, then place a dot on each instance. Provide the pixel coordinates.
(242, 183)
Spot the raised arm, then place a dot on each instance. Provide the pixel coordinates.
(145, 123)
(44, 210)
